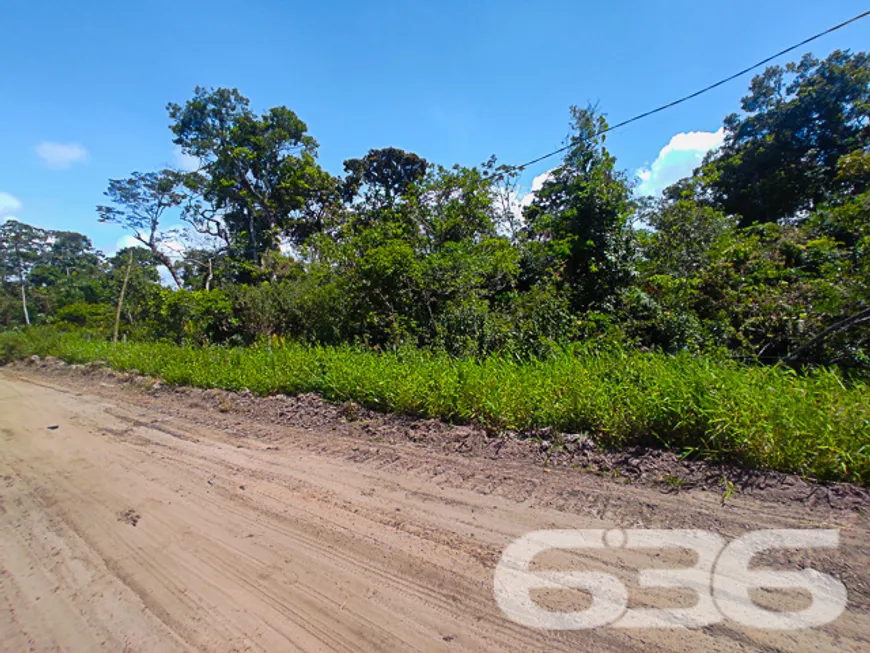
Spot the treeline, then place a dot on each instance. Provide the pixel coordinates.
(763, 254)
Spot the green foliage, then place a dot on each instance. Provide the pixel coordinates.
(22, 247)
(660, 317)
(762, 417)
(256, 172)
(685, 237)
(454, 206)
(582, 213)
(94, 317)
(197, 317)
(780, 157)
(405, 252)
(382, 177)
(14, 345)
(412, 286)
(140, 203)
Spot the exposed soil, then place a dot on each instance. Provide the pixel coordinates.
(664, 470)
(174, 519)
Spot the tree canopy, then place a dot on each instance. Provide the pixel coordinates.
(762, 254)
(780, 157)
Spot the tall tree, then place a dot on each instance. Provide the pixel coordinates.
(779, 159)
(455, 205)
(69, 270)
(382, 176)
(72, 252)
(141, 201)
(582, 213)
(255, 171)
(21, 248)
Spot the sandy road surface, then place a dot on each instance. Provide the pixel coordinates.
(136, 526)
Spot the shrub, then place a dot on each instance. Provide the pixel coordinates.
(99, 317)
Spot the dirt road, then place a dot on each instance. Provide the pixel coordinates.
(135, 523)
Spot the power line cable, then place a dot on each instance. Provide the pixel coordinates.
(696, 93)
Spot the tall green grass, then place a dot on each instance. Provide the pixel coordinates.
(761, 417)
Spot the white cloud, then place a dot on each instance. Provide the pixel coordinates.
(124, 242)
(186, 162)
(60, 156)
(677, 160)
(170, 242)
(537, 184)
(287, 248)
(175, 249)
(9, 206)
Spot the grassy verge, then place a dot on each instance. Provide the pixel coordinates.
(757, 417)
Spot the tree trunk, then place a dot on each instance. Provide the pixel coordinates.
(167, 263)
(209, 277)
(175, 276)
(24, 304)
(852, 321)
(243, 175)
(22, 282)
(254, 256)
(121, 298)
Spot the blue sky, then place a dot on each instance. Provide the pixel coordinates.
(84, 85)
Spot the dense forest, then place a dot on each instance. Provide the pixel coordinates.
(762, 255)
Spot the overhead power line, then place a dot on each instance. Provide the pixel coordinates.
(699, 92)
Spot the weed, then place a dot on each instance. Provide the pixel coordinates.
(729, 488)
(764, 417)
